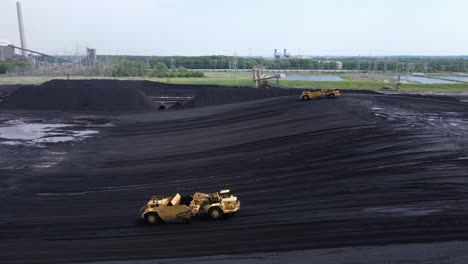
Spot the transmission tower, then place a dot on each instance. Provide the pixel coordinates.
(171, 62)
(234, 61)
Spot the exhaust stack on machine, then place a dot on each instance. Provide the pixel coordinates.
(21, 29)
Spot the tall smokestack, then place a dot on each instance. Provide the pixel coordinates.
(21, 29)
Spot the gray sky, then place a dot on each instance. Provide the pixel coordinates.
(207, 27)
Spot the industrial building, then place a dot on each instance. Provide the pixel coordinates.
(7, 50)
(45, 63)
(279, 55)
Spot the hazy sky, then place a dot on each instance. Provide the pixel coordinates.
(207, 27)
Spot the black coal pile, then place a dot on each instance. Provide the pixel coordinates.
(116, 95)
(79, 95)
(211, 95)
(9, 88)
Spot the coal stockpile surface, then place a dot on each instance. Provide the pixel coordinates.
(216, 95)
(9, 88)
(211, 95)
(364, 169)
(125, 96)
(79, 95)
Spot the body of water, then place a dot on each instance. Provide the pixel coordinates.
(19, 133)
(425, 80)
(455, 78)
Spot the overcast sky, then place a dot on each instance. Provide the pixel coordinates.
(207, 27)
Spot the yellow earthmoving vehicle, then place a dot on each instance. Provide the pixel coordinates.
(323, 93)
(182, 208)
(217, 205)
(169, 209)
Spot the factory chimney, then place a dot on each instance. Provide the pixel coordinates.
(21, 29)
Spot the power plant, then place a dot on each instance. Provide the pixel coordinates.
(277, 55)
(44, 64)
(21, 29)
(7, 50)
(284, 55)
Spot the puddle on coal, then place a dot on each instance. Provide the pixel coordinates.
(448, 122)
(34, 134)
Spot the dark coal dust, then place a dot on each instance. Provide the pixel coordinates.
(363, 170)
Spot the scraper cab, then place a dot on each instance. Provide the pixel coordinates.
(217, 205)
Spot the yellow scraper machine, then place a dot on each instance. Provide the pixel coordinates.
(322, 93)
(179, 208)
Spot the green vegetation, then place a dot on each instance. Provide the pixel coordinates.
(126, 68)
(158, 69)
(245, 79)
(161, 71)
(352, 81)
(228, 62)
(11, 66)
(175, 70)
(371, 64)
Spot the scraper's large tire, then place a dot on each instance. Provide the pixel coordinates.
(152, 218)
(215, 213)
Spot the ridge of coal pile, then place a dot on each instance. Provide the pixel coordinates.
(79, 95)
(210, 96)
(9, 88)
(119, 95)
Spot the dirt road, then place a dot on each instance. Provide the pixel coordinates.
(360, 170)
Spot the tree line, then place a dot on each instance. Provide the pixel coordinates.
(367, 64)
(229, 62)
(13, 66)
(177, 66)
(138, 68)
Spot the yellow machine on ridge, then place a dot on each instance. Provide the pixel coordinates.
(179, 208)
(323, 93)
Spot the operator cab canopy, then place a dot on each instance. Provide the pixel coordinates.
(225, 193)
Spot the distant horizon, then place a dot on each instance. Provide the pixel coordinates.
(293, 56)
(335, 28)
